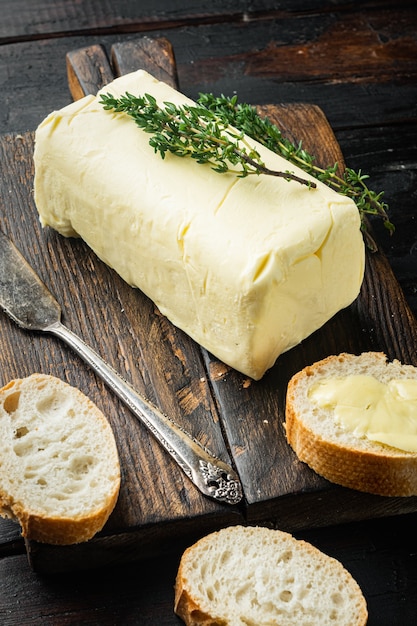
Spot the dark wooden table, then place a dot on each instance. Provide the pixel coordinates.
(358, 63)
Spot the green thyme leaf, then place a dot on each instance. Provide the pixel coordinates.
(196, 132)
(350, 183)
(215, 132)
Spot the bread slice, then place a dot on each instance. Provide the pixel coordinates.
(254, 576)
(337, 454)
(59, 466)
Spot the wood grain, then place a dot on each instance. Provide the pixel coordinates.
(373, 117)
(43, 19)
(378, 553)
(123, 326)
(224, 57)
(155, 55)
(229, 413)
(88, 69)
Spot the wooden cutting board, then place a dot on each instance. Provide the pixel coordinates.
(238, 419)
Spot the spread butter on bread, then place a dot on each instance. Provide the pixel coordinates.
(59, 467)
(254, 576)
(247, 267)
(353, 420)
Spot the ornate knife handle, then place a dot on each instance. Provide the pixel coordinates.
(213, 477)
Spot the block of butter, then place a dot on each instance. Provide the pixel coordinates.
(248, 267)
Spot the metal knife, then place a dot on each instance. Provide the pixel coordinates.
(25, 298)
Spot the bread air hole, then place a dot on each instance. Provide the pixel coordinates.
(59, 496)
(48, 403)
(30, 473)
(243, 592)
(55, 403)
(11, 402)
(337, 598)
(285, 595)
(225, 557)
(21, 432)
(286, 556)
(22, 448)
(81, 466)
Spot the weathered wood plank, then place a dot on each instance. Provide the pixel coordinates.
(180, 377)
(11, 541)
(378, 554)
(390, 40)
(155, 55)
(373, 122)
(159, 363)
(87, 70)
(224, 59)
(24, 20)
(123, 327)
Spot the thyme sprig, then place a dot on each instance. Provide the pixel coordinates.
(351, 183)
(197, 132)
(215, 131)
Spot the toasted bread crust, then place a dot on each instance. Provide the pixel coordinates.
(379, 469)
(187, 609)
(61, 530)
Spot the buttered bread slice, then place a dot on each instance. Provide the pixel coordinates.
(353, 419)
(248, 267)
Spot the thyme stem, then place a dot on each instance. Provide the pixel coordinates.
(350, 183)
(196, 132)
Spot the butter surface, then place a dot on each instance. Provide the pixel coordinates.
(247, 267)
(382, 412)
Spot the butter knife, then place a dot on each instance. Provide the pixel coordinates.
(29, 303)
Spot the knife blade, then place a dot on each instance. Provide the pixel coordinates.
(29, 303)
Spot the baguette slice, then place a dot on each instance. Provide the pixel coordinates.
(59, 468)
(336, 454)
(253, 576)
